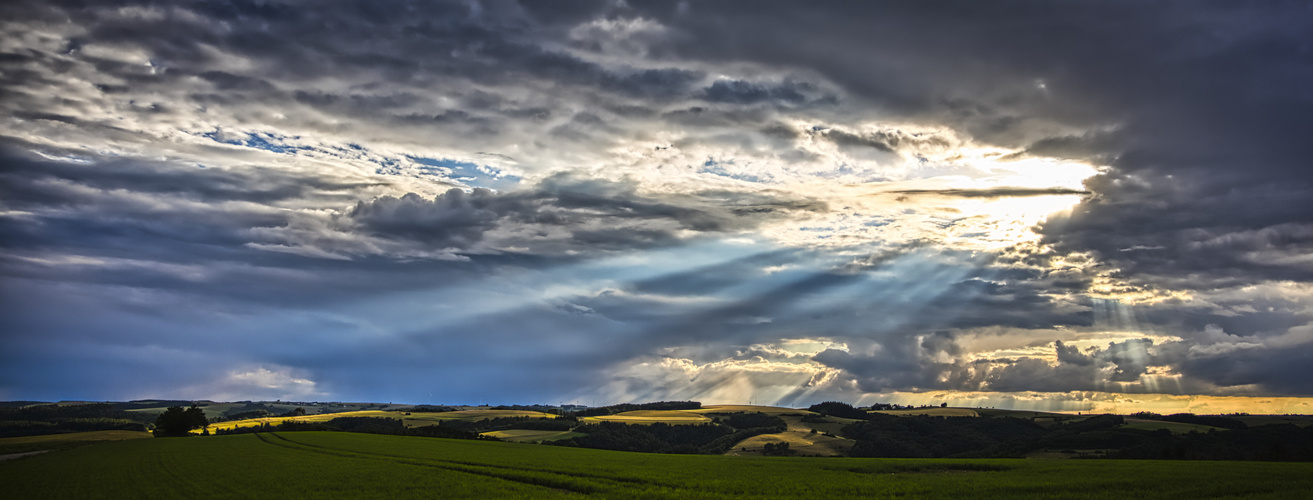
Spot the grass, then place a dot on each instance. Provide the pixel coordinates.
(996, 412)
(307, 464)
(323, 417)
(414, 419)
(932, 412)
(1174, 427)
(64, 441)
(801, 443)
(530, 436)
(651, 417)
(800, 438)
(419, 419)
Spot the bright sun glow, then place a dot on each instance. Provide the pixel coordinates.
(995, 207)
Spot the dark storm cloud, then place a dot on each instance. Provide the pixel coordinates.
(180, 230)
(884, 141)
(1283, 371)
(562, 213)
(1191, 231)
(787, 92)
(31, 179)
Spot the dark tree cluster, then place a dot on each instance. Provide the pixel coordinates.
(712, 438)
(1095, 423)
(142, 404)
(177, 422)
(1219, 421)
(245, 415)
(59, 419)
(654, 438)
(538, 408)
(812, 418)
(20, 404)
(750, 420)
(431, 409)
(887, 406)
(257, 410)
(926, 437)
(777, 449)
(838, 409)
(507, 423)
(1269, 443)
(1094, 437)
(250, 409)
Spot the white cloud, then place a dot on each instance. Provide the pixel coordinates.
(267, 382)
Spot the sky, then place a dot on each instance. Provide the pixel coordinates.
(1068, 206)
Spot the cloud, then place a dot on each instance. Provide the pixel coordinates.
(559, 215)
(260, 383)
(1101, 197)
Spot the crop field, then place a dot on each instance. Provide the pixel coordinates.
(482, 414)
(308, 464)
(1174, 427)
(417, 419)
(529, 435)
(323, 417)
(800, 438)
(996, 412)
(60, 441)
(801, 443)
(413, 419)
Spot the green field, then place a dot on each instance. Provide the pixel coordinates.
(309, 464)
(410, 419)
(1174, 427)
(672, 417)
(932, 412)
(61, 441)
(531, 436)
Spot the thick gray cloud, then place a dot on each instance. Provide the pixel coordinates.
(561, 214)
(312, 192)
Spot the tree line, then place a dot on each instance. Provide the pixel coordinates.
(59, 419)
(889, 436)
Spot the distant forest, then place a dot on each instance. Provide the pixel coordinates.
(59, 419)
(882, 435)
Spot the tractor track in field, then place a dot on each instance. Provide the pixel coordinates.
(563, 482)
(15, 456)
